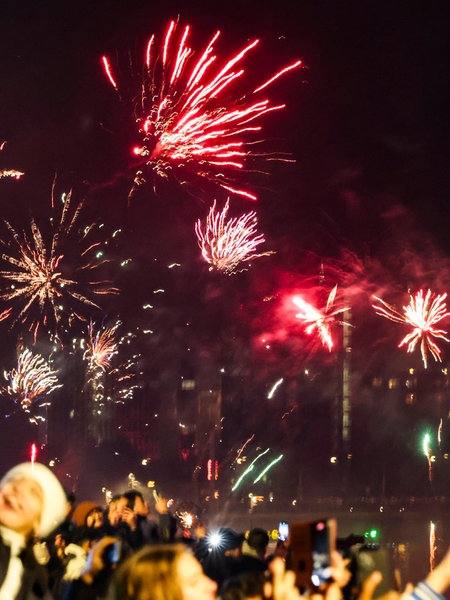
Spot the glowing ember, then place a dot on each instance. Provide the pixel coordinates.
(188, 120)
(422, 313)
(227, 243)
(317, 320)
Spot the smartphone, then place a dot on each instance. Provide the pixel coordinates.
(283, 531)
(311, 545)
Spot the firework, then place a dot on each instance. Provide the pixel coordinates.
(267, 467)
(319, 320)
(37, 287)
(101, 347)
(227, 243)
(186, 519)
(242, 448)
(422, 313)
(126, 372)
(248, 470)
(274, 388)
(188, 119)
(105, 383)
(188, 515)
(427, 452)
(33, 454)
(5, 314)
(11, 173)
(110, 377)
(31, 381)
(432, 545)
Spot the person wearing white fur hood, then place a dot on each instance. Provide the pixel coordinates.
(32, 504)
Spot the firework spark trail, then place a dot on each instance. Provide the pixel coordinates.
(288, 412)
(36, 271)
(432, 545)
(126, 373)
(32, 380)
(242, 448)
(250, 468)
(101, 346)
(5, 314)
(227, 243)
(319, 320)
(427, 451)
(12, 173)
(106, 368)
(267, 467)
(187, 118)
(33, 455)
(422, 313)
(186, 518)
(274, 388)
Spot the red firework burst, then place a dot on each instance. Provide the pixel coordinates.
(422, 313)
(317, 320)
(188, 121)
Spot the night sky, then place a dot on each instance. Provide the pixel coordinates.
(366, 201)
(366, 119)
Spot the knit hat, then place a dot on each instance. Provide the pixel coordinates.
(54, 504)
(82, 510)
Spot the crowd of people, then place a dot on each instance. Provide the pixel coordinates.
(54, 548)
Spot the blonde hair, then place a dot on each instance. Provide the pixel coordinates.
(149, 574)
